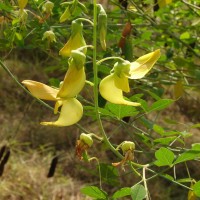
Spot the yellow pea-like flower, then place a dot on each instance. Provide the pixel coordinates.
(71, 109)
(112, 87)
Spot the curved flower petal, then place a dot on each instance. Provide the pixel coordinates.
(111, 93)
(73, 83)
(40, 90)
(143, 65)
(71, 112)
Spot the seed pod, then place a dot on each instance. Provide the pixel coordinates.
(102, 26)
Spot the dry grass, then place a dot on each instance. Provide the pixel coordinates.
(25, 177)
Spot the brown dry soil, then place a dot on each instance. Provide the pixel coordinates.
(33, 146)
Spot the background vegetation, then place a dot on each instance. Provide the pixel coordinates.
(165, 128)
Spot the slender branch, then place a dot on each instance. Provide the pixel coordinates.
(95, 88)
(109, 58)
(194, 6)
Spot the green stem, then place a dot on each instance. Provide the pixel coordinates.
(86, 20)
(95, 89)
(109, 58)
(100, 181)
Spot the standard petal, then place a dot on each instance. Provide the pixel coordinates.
(73, 83)
(71, 112)
(40, 90)
(143, 65)
(111, 93)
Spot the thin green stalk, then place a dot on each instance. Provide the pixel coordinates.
(109, 58)
(100, 181)
(95, 89)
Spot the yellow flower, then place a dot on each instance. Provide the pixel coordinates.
(71, 109)
(75, 41)
(112, 87)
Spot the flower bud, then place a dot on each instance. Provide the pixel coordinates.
(50, 36)
(127, 145)
(87, 139)
(48, 7)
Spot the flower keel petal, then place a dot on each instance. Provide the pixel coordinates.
(111, 93)
(71, 113)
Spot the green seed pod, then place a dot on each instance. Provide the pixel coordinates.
(87, 139)
(127, 145)
(102, 26)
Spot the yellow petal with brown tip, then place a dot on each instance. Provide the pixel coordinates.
(143, 65)
(40, 90)
(111, 93)
(71, 112)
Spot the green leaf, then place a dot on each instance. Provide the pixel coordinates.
(121, 111)
(158, 129)
(160, 104)
(94, 192)
(164, 157)
(196, 125)
(126, 191)
(196, 188)
(138, 192)
(167, 176)
(166, 140)
(191, 154)
(5, 7)
(184, 180)
(185, 36)
(109, 174)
